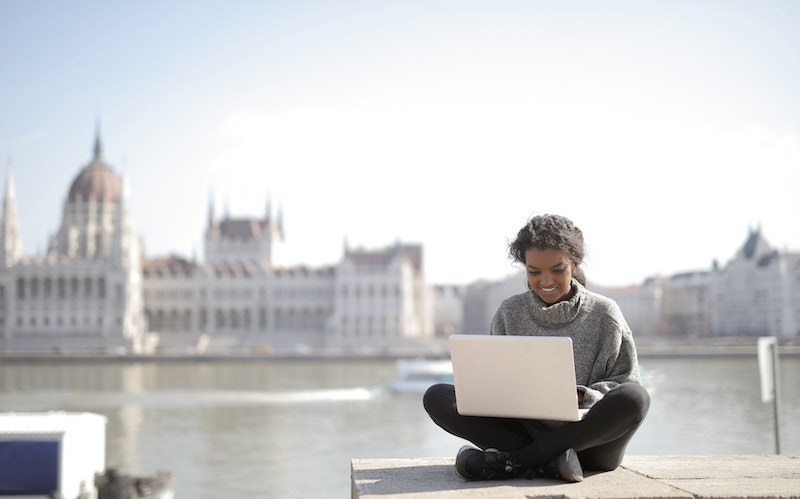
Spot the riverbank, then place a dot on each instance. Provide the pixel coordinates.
(435, 350)
(645, 352)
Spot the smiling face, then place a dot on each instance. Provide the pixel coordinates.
(549, 274)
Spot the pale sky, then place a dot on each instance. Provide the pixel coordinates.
(665, 130)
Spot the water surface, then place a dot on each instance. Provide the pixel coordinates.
(289, 429)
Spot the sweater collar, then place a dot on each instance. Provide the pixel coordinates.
(561, 312)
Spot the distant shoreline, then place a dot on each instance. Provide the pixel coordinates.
(695, 351)
(644, 352)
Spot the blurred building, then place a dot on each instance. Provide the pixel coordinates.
(757, 293)
(482, 299)
(239, 301)
(85, 293)
(640, 304)
(94, 290)
(448, 314)
(685, 306)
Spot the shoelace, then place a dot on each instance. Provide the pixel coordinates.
(497, 462)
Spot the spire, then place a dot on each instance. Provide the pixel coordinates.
(756, 245)
(279, 220)
(98, 148)
(10, 235)
(212, 222)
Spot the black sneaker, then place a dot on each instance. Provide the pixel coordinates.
(565, 466)
(475, 464)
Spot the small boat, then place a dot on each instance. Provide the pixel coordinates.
(417, 375)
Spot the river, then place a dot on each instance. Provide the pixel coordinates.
(290, 428)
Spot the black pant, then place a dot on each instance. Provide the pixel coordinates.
(600, 438)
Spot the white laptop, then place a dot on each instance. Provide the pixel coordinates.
(528, 377)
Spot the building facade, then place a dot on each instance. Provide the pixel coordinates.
(448, 314)
(686, 306)
(94, 290)
(757, 293)
(373, 299)
(85, 293)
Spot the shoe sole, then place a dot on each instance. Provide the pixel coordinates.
(570, 468)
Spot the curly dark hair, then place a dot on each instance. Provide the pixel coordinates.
(550, 231)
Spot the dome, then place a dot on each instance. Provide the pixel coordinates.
(96, 181)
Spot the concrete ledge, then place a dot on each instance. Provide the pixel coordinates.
(656, 477)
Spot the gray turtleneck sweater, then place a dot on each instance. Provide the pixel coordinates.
(605, 355)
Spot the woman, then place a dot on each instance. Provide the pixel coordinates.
(606, 369)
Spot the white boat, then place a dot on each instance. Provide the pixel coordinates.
(415, 376)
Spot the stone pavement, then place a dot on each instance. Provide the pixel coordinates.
(655, 477)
